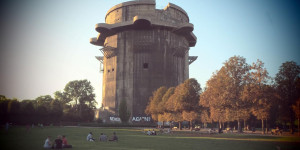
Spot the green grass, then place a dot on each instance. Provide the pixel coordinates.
(129, 138)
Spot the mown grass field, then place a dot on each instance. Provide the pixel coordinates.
(17, 138)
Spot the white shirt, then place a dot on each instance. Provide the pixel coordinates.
(89, 137)
(47, 143)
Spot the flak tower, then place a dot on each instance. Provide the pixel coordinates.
(143, 49)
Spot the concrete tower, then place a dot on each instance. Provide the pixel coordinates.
(144, 48)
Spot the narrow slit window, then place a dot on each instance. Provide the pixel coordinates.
(108, 70)
(112, 70)
(145, 66)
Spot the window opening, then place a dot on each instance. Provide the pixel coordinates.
(145, 66)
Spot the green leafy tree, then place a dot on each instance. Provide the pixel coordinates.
(56, 110)
(80, 93)
(28, 111)
(44, 101)
(124, 114)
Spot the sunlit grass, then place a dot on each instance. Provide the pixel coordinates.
(132, 138)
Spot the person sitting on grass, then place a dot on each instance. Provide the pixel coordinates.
(114, 137)
(90, 137)
(153, 132)
(148, 132)
(103, 137)
(65, 142)
(58, 142)
(48, 143)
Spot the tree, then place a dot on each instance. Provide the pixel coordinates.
(162, 105)
(185, 99)
(286, 80)
(13, 110)
(3, 109)
(56, 110)
(296, 109)
(28, 111)
(236, 70)
(61, 97)
(224, 91)
(80, 93)
(258, 92)
(44, 101)
(124, 114)
(190, 116)
(154, 102)
(213, 97)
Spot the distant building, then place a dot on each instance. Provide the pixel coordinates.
(143, 49)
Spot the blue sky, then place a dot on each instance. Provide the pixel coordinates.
(45, 44)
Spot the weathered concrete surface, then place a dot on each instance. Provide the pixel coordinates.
(144, 48)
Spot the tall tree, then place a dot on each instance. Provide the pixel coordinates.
(185, 99)
(286, 80)
(224, 91)
(237, 70)
(124, 114)
(258, 92)
(213, 97)
(56, 109)
(80, 93)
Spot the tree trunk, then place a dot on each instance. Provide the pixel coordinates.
(191, 125)
(228, 126)
(179, 124)
(239, 126)
(262, 126)
(267, 126)
(291, 122)
(163, 124)
(223, 125)
(245, 124)
(298, 128)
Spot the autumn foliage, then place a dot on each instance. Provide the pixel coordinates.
(235, 93)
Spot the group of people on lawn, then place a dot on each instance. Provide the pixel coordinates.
(153, 132)
(59, 143)
(102, 138)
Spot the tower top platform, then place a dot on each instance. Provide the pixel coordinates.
(142, 14)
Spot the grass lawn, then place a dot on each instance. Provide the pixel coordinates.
(17, 138)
